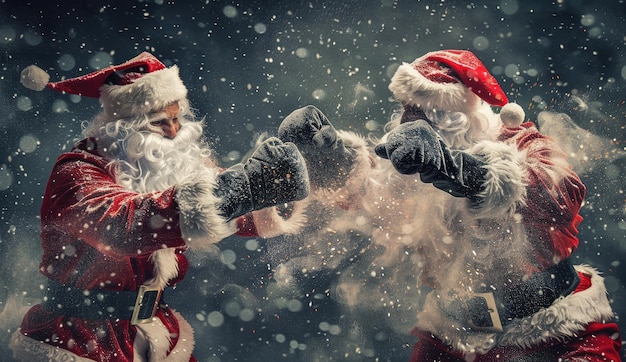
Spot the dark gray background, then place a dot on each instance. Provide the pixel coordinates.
(248, 64)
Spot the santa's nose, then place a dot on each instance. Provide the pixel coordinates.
(170, 128)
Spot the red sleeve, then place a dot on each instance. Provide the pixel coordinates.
(246, 227)
(83, 201)
(554, 196)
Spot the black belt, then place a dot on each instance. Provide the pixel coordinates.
(493, 309)
(137, 306)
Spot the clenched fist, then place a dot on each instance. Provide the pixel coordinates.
(275, 173)
(414, 147)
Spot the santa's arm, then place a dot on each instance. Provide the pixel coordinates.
(490, 174)
(555, 194)
(529, 176)
(248, 194)
(84, 201)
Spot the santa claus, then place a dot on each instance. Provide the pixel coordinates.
(480, 207)
(124, 204)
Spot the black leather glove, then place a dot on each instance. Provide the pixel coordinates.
(275, 173)
(414, 147)
(327, 158)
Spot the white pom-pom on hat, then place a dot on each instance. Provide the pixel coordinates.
(138, 86)
(512, 115)
(35, 78)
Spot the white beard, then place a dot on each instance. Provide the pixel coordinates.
(149, 162)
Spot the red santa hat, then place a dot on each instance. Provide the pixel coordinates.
(139, 86)
(450, 80)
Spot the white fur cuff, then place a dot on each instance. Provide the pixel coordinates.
(201, 224)
(505, 186)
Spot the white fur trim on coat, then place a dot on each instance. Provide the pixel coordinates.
(201, 224)
(410, 87)
(151, 337)
(566, 317)
(561, 321)
(155, 338)
(152, 92)
(165, 267)
(505, 183)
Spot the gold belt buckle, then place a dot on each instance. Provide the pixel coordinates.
(146, 304)
(489, 304)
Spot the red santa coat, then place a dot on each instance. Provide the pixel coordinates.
(97, 235)
(574, 327)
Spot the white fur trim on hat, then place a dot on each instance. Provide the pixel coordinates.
(410, 87)
(149, 93)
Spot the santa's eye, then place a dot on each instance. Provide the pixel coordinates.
(158, 122)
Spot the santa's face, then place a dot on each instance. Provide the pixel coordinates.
(166, 121)
(413, 113)
(157, 151)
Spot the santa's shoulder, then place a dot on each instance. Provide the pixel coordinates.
(525, 132)
(86, 150)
